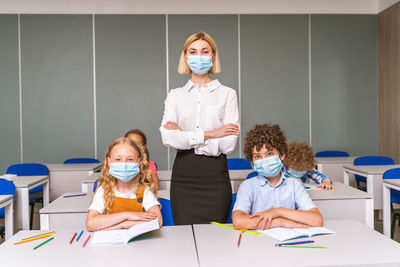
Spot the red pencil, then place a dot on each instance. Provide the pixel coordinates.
(240, 237)
(72, 239)
(87, 239)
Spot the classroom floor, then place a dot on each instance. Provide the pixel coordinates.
(378, 224)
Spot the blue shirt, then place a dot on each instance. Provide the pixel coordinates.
(257, 195)
(314, 175)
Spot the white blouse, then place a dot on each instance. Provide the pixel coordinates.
(196, 110)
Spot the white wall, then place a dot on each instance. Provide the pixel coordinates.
(193, 7)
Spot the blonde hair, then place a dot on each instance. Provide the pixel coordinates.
(183, 68)
(300, 156)
(108, 182)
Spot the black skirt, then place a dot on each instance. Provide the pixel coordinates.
(201, 190)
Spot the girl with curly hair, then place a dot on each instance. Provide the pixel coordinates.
(126, 194)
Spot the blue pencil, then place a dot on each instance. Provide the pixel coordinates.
(79, 236)
(294, 243)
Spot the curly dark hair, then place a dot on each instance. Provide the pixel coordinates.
(299, 157)
(266, 134)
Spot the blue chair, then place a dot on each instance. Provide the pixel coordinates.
(166, 212)
(331, 153)
(369, 160)
(81, 160)
(238, 164)
(229, 220)
(6, 188)
(251, 175)
(30, 169)
(394, 197)
(95, 185)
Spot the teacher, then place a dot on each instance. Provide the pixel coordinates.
(201, 121)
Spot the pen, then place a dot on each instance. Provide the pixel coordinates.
(72, 239)
(301, 246)
(41, 244)
(295, 243)
(87, 239)
(79, 236)
(77, 195)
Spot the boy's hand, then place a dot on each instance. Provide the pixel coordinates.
(325, 185)
(299, 179)
(282, 222)
(265, 218)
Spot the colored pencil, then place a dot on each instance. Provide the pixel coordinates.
(87, 239)
(294, 243)
(70, 242)
(41, 244)
(77, 195)
(79, 236)
(49, 233)
(301, 246)
(233, 228)
(32, 239)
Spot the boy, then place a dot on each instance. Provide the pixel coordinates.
(300, 162)
(271, 199)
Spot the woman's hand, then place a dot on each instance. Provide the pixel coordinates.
(170, 125)
(224, 130)
(325, 185)
(141, 216)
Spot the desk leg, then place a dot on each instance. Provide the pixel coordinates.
(386, 211)
(85, 187)
(9, 220)
(22, 201)
(319, 167)
(370, 186)
(346, 178)
(46, 193)
(369, 213)
(44, 222)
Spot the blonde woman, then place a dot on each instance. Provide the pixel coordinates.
(201, 121)
(126, 194)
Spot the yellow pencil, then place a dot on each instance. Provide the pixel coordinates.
(32, 239)
(49, 233)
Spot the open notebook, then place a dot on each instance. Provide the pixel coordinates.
(282, 234)
(123, 236)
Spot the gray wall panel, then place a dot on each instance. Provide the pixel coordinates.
(274, 56)
(131, 77)
(344, 79)
(57, 87)
(9, 100)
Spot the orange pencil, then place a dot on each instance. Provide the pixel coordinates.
(32, 239)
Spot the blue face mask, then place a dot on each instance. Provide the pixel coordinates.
(199, 64)
(296, 174)
(268, 167)
(124, 171)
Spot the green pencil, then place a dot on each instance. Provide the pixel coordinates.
(301, 246)
(41, 244)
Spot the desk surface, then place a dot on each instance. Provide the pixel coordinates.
(353, 244)
(5, 198)
(333, 160)
(168, 246)
(91, 178)
(68, 204)
(395, 182)
(371, 169)
(341, 191)
(74, 167)
(27, 181)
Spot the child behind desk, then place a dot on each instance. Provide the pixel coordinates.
(140, 139)
(126, 194)
(300, 163)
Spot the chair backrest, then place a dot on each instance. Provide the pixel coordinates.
(95, 185)
(6, 188)
(373, 160)
(393, 174)
(166, 212)
(81, 160)
(28, 169)
(331, 153)
(229, 220)
(238, 164)
(251, 175)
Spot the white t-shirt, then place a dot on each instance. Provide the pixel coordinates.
(149, 200)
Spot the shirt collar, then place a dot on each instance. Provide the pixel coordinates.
(211, 86)
(264, 181)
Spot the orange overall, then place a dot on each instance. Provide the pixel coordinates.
(122, 204)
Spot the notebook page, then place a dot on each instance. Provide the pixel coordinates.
(112, 237)
(312, 231)
(282, 234)
(142, 228)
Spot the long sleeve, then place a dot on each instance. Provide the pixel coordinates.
(316, 176)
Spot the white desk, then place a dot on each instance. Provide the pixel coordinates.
(343, 203)
(22, 186)
(6, 202)
(387, 185)
(168, 246)
(87, 183)
(65, 212)
(67, 177)
(354, 244)
(374, 175)
(332, 167)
